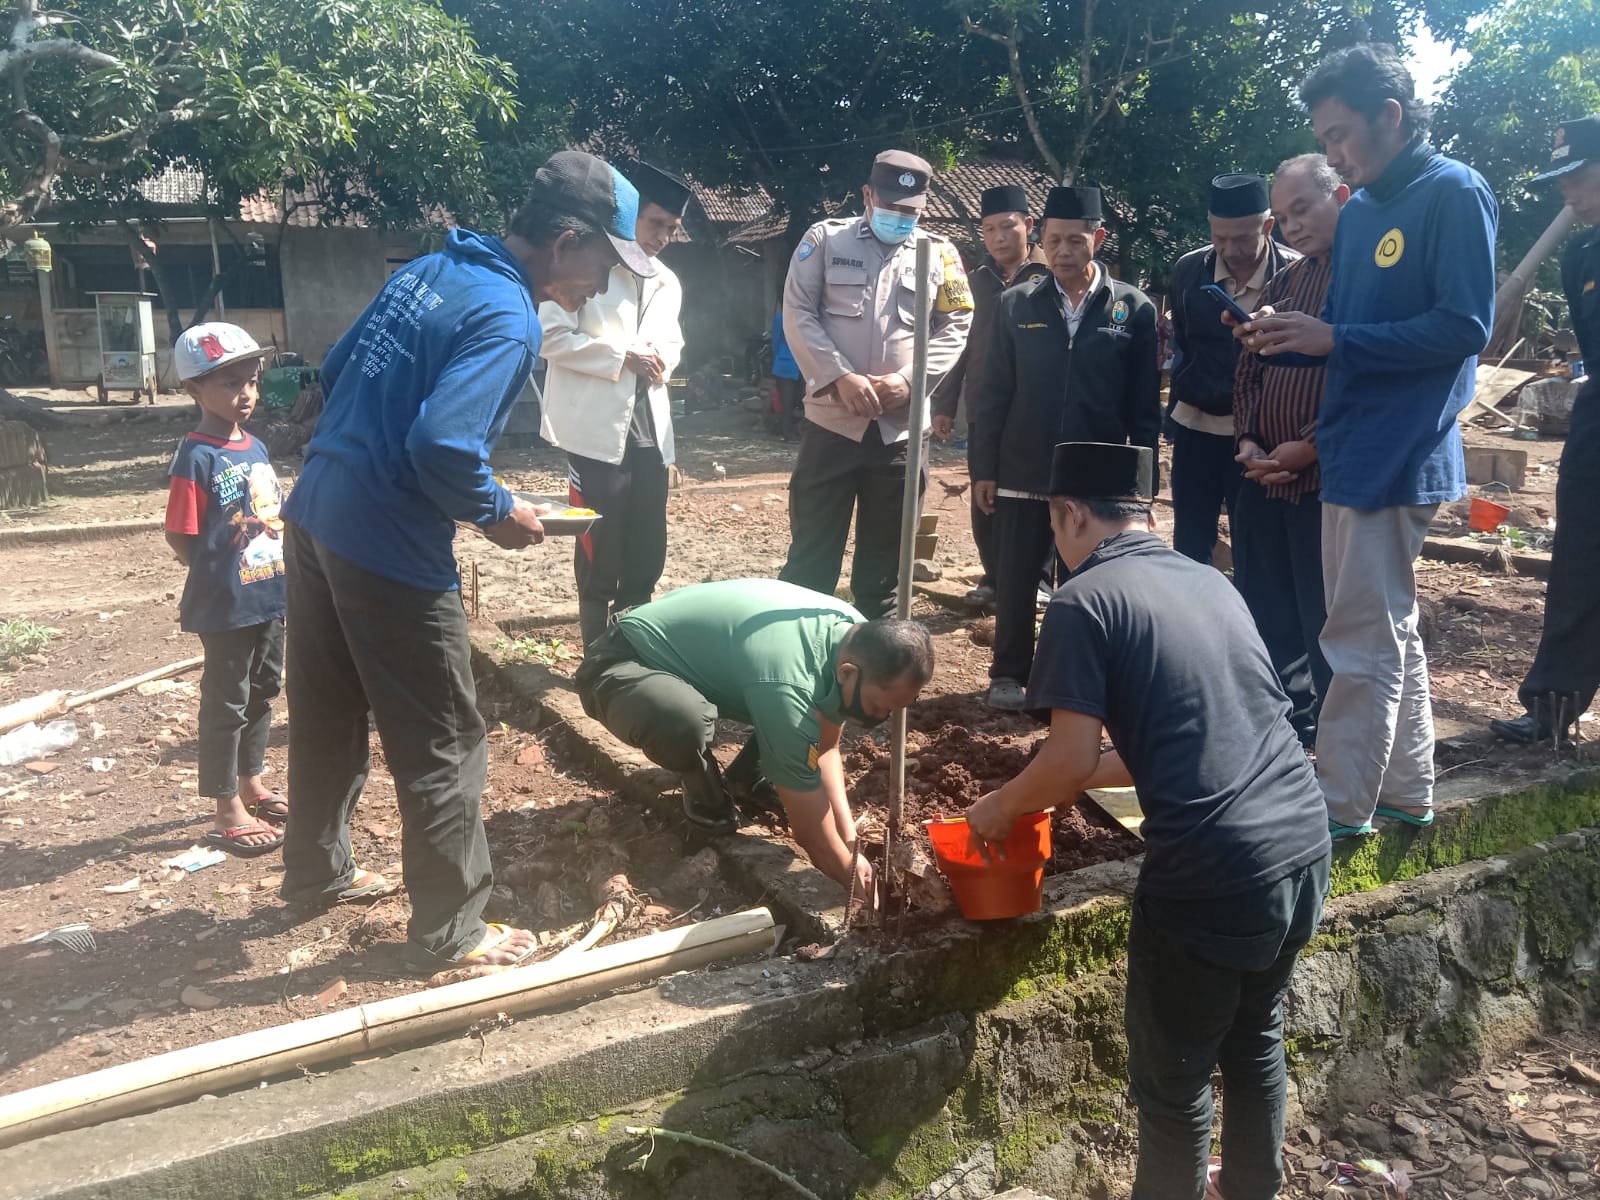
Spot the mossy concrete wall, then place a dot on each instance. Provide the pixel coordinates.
(1023, 1081)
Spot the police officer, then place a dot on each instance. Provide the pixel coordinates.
(1566, 671)
(849, 307)
(1071, 356)
(1012, 259)
(1241, 258)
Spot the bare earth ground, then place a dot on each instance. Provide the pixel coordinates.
(181, 959)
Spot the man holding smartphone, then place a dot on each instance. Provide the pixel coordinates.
(1241, 258)
(1411, 308)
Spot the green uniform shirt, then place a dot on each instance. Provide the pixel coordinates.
(763, 652)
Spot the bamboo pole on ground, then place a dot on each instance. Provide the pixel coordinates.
(909, 509)
(247, 1058)
(50, 704)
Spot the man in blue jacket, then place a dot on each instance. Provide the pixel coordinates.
(418, 391)
(1410, 307)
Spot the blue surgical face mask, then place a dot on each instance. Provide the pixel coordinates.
(890, 227)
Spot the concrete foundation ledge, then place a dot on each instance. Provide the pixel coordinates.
(961, 1059)
(23, 535)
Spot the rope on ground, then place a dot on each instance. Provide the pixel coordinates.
(655, 1131)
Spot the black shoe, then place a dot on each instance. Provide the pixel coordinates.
(705, 801)
(1526, 730)
(757, 799)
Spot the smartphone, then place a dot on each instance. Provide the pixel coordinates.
(1226, 301)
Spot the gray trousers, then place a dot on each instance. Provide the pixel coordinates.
(365, 644)
(1375, 733)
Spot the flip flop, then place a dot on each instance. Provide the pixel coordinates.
(273, 809)
(228, 839)
(1340, 832)
(364, 885)
(1399, 814)
(494, 937)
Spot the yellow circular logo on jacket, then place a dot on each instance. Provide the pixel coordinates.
(1390, 247)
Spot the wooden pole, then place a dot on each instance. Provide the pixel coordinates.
(51, 704)
(247, 1058)
(1508, 298)
(909, 508)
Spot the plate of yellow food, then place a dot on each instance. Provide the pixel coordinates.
(559, 518)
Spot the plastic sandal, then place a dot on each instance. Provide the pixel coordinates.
(364, 885)
(228, 839)
(272, 810)
(1400, 814)
(1340, 832)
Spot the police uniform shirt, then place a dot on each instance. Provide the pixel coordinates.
(849, 306)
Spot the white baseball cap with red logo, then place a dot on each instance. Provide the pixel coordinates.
(203, 348)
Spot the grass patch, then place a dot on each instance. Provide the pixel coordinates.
(20, 638)
(533, 649)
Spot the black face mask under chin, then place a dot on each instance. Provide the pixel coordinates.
(853, 711)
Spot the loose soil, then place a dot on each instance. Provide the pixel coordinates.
(183, 960)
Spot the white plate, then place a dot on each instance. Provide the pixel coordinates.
(557, 526)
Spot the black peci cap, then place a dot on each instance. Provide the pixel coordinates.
(900, 177)
(661, 188)
(1073, 204)
(1577, 145)
(1240, 196)
(592, 190)
(1103, 471)
(1006, 199)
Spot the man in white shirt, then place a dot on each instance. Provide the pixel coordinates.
(605, 404)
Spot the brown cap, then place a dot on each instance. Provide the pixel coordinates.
(901, 178)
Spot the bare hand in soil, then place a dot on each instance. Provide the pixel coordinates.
(521, 529)
(866, 890)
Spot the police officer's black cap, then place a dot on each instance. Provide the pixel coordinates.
(1239, 196)
(661, 188)
(1073, 204)
(1008, 198)
(1103, 471)
(900, 177)
(1577, 145)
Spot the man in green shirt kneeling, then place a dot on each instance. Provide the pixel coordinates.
(792, 662)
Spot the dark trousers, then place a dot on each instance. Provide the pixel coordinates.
(365, 644)
(243, 675)
(651, 710)
(1206, 980)
(620, 560)
(791, 405)
(1566, 670)
(1277, 565)
(1022, 541)
(833, 478)
(983, 538)
(1204, 479)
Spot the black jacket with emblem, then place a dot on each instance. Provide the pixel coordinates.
(987, 287)
(1041, 387)
(1207, 351)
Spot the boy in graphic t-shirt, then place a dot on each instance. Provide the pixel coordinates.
(223, 524)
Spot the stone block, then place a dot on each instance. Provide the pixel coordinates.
(1401, 972)
(1496, 464)
(1482, 932)
(1318, 993)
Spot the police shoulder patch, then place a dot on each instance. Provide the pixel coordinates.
(807, 249)
(1119, 312)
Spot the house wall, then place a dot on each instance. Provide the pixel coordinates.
(329, 277)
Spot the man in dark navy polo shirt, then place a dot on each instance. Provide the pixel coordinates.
(1161, 652)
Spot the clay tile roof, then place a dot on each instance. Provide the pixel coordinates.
(956, 193)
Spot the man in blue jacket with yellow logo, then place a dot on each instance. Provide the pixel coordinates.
(1410, 306)
(418, 391)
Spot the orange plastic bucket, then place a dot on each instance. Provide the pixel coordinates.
(1010, 883)
(1485, 515)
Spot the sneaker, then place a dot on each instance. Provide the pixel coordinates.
(1007, 695)
(705, 801)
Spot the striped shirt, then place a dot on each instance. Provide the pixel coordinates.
(1275, 404)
